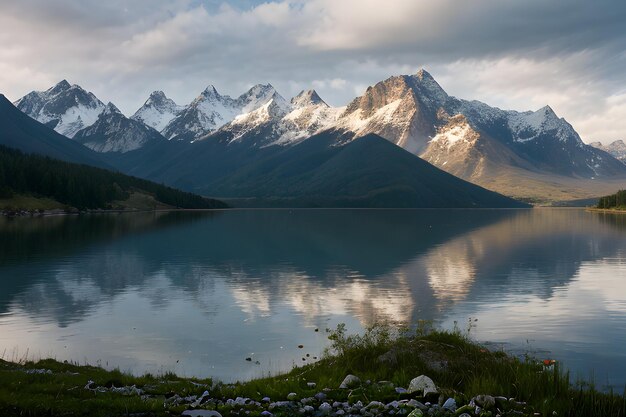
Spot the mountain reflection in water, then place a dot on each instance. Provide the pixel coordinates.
(143, 291)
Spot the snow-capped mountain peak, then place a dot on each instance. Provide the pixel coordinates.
(157, 111)
(428, 88)
(530, 125)
(307, 98)
(61, 86)
(110, 109)
(210, 92)
(157, 99)
(65, 108)
(258, 96)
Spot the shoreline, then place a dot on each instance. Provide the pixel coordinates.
(383, 372)
(599, 210)
(60, 212)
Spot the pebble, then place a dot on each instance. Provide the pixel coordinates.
(322, 405)
(450, 404)
(320, 396)
(422, 384)
(325, 408)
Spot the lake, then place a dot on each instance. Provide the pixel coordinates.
(197, 293)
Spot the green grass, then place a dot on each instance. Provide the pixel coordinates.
(137, 200)
(29, 203)
(461, 369)
(63, 392)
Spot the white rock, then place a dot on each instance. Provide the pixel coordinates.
(393, 404)
(450, 404)
(422, 384)
(375, 404)
(325, 408)
(350, 381)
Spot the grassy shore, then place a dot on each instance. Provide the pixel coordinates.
(383, 358)
(609, 210)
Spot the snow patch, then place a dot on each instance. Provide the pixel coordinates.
(358, 124)
(455, 134)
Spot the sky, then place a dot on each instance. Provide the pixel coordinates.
(513, 54)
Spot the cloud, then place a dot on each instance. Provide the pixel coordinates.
(514, 54)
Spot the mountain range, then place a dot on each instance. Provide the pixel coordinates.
(220, 145)
(368, 172)
(616, 149)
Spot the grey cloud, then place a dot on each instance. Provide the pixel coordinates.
(122, 50)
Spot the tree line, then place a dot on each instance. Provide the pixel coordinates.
(613, 201)
(82, 186)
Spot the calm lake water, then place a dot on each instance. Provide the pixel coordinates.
(197, 293)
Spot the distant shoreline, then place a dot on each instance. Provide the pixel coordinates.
(49, 213)
(599, 210)
(60, 212)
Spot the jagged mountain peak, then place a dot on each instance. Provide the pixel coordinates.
(547, 112)
(210, 91)
(307, 98)
(531, 125)
(157, 111)
(379, 95)
(421, 89)
(259, 90)
(110, 109)
(65, 108)
(427, 88)
(157, 97)
(59, 87)
(259, 95)
(422, 74)
(158, 94)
